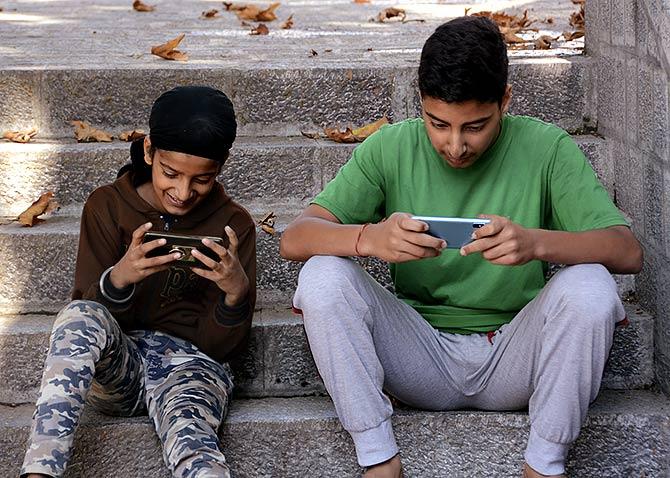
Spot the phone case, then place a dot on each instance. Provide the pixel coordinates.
(183, 244)
(457, 231)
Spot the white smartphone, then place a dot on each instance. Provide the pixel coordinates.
(457, 231)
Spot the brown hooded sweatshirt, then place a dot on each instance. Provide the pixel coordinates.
(176, 301)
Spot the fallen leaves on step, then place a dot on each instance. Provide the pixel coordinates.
(44, 205)
(267, 224)
(361, 1)
(569, 36)
(313, 52)
(261, 29)
(23, 136)
(85, 133)
(577, 22)
(391, 14)
(510, 25)
(354, 135)
(310, 135)
(288, 24)
(210, 13)
(133, 135)
(253, 12)
(167, 50)
(544, 42)
(140, 6)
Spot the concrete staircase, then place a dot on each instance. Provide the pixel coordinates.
(281, 424)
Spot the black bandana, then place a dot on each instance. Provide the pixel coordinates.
(196, 120)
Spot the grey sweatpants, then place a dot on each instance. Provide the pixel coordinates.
(549, 358)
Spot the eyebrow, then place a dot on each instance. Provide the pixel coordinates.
(167, 166)
(469, 123)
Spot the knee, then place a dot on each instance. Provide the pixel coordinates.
(85, 318)
(324, 277)
(590, 291)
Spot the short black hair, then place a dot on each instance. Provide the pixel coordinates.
(464, 59)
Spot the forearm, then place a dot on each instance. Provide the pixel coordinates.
(615, 247)
(309, 236)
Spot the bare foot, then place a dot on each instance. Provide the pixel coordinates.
(528, 472)
(389, 469)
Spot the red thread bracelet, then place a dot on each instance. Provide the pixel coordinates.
(358, 239)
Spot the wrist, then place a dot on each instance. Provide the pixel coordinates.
(538, 249)
(361, 247)
(116, 280)
(234, 298)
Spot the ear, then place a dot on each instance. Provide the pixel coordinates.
(147, 151)
(507, 97)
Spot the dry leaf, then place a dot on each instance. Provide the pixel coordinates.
(510, 36)
(85, 133)
(44, 205)
(267, 224)
(140, 6)
(313, 52)
(391, 14)
(361, 1)
(509, 25)
(569, 36)
(167, 50)
(210, 13)
(544, 42)
(20, 136)
(288, 24)
(577, 19)
(309, 135)
(254, 13)
(132, 135)
(354, 136)
(261, 29)
(549, 20)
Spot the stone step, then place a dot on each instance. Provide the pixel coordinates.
(268, 169)
(279, 362)
(38, 264)
(101, 70)
(273, 101)
(626, 434)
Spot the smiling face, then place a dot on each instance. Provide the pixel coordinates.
(462, 132)
(179, 181)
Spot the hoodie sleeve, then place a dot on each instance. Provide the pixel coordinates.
(100, 247)
(236, 321)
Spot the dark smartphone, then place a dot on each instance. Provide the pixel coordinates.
(184, 244)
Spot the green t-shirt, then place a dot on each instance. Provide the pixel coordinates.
(534, 174)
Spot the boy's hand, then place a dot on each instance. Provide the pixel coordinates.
(134, 265)
(228, 273)
(399, 239)
(502, 242)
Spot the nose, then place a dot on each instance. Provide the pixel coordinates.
(183, 190)
(456, 146)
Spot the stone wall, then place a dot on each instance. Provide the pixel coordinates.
(629, 42)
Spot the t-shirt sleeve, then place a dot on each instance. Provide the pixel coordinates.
(578, 201)
(356, 194)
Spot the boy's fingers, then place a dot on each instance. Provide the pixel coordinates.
(138, 234)
(234, 242)
(151, 245)
(211, 263)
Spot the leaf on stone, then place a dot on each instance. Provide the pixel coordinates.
(140, 6)
(391, 14)
(361, 1)
(577, 19)
(261, 29)
(310, 135)
(288, 24)
(44, 205)
(313, 52)
(255, 13)
(549, 20)
(510, 36)
(267, 224)
(85, 133)
(210, 13)
(569, 36)
(132, 135)
(354, 136)
(543, 42)
(23, 136)
(510, 25)
(167, 50)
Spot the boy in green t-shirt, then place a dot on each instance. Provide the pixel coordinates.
(476, 327)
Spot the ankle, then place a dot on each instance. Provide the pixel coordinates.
(528, 472)
(388, 469)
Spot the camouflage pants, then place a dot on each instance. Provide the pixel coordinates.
(90, 359)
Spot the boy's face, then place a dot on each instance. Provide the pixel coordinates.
(462, 132)
(179, 181)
